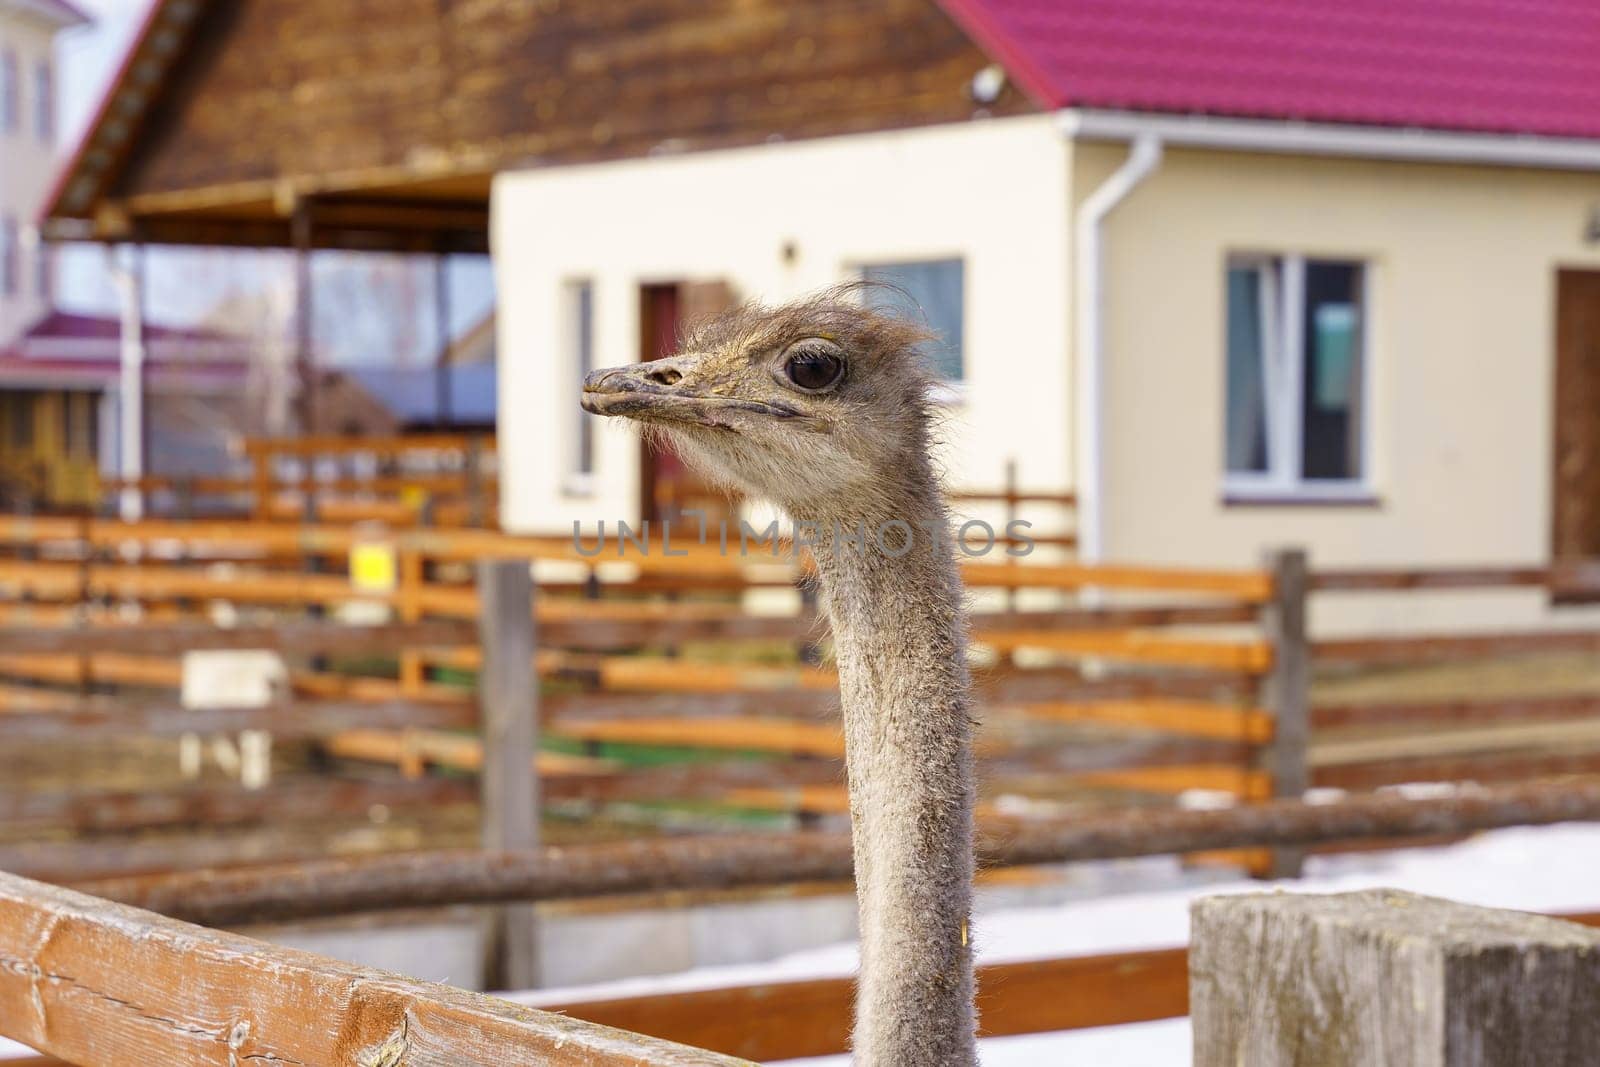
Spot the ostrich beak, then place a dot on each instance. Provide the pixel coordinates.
(661, 391)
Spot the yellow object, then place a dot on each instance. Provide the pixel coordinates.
(372, 566)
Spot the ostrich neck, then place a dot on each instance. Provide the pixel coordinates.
(899, 633)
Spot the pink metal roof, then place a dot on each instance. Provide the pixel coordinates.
(65, 349)
(1507, 66)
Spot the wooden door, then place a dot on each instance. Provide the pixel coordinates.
(1576, 483)
(667, 485)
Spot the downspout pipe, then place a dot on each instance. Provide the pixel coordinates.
(1144, 157)
(126, 276)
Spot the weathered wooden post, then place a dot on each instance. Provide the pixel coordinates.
(1286, 688)
(508, 701)
(1388, 979)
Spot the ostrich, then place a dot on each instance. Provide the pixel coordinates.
(821, 406)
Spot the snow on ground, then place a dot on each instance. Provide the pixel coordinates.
(1552, 868)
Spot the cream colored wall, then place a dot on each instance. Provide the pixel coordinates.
(992, 192)
(1462, 284)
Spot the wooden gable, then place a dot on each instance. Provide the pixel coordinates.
(420, 102)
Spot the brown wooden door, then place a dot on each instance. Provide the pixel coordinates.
(1577, 417)
(667, 485)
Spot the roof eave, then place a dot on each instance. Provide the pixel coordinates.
(104, 144)
(1290, 137)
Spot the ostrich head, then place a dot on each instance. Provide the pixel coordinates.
(819, 406)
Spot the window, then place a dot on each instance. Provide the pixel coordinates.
(44, 102)
(579, 298)
(10, 93)
(10, 255)
(1295, 366)
(933, 291)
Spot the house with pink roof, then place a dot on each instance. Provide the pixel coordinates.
(1238, 273)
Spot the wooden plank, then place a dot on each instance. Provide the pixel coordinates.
(1190, 718)
(810, 705)
(1141, 647)
(1235, 780)
(287, 636)
(416, 748)
(1113, 617)
(1456, 712)
(110, 667)
(105, 985)
(1494, 768)
(1239, 781)
(1564, 737)
(72, 581)
(752, 734)
(214, 806)
(100, 719)
(313, 445)
(790, 1020)
(1388, 579)
(1249, 586)
(427, 879)
(1453, 648)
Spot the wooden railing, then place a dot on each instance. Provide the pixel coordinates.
(104, 985)
(1127, 700)
(1508, 716)
(620, 670)
(114, 985)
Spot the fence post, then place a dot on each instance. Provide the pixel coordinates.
(508, 699)
(1286, 689)
(1387, 978)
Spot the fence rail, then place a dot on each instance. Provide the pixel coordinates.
(104, 985)
(335, 887)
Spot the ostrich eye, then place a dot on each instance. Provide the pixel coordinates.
(814, 365)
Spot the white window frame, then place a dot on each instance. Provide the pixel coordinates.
(1283, 386)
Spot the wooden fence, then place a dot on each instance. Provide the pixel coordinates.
(433, 479)
(1168, 680)
(1523, 720)
(1176, 680)
(103, 984)
(596, 643)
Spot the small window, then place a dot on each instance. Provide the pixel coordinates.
(579, 312)
(933, 291)
(1295, 374)
(10, 257)
(44, 102)
(10, 93)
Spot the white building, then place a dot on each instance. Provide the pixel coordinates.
(28, 106)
